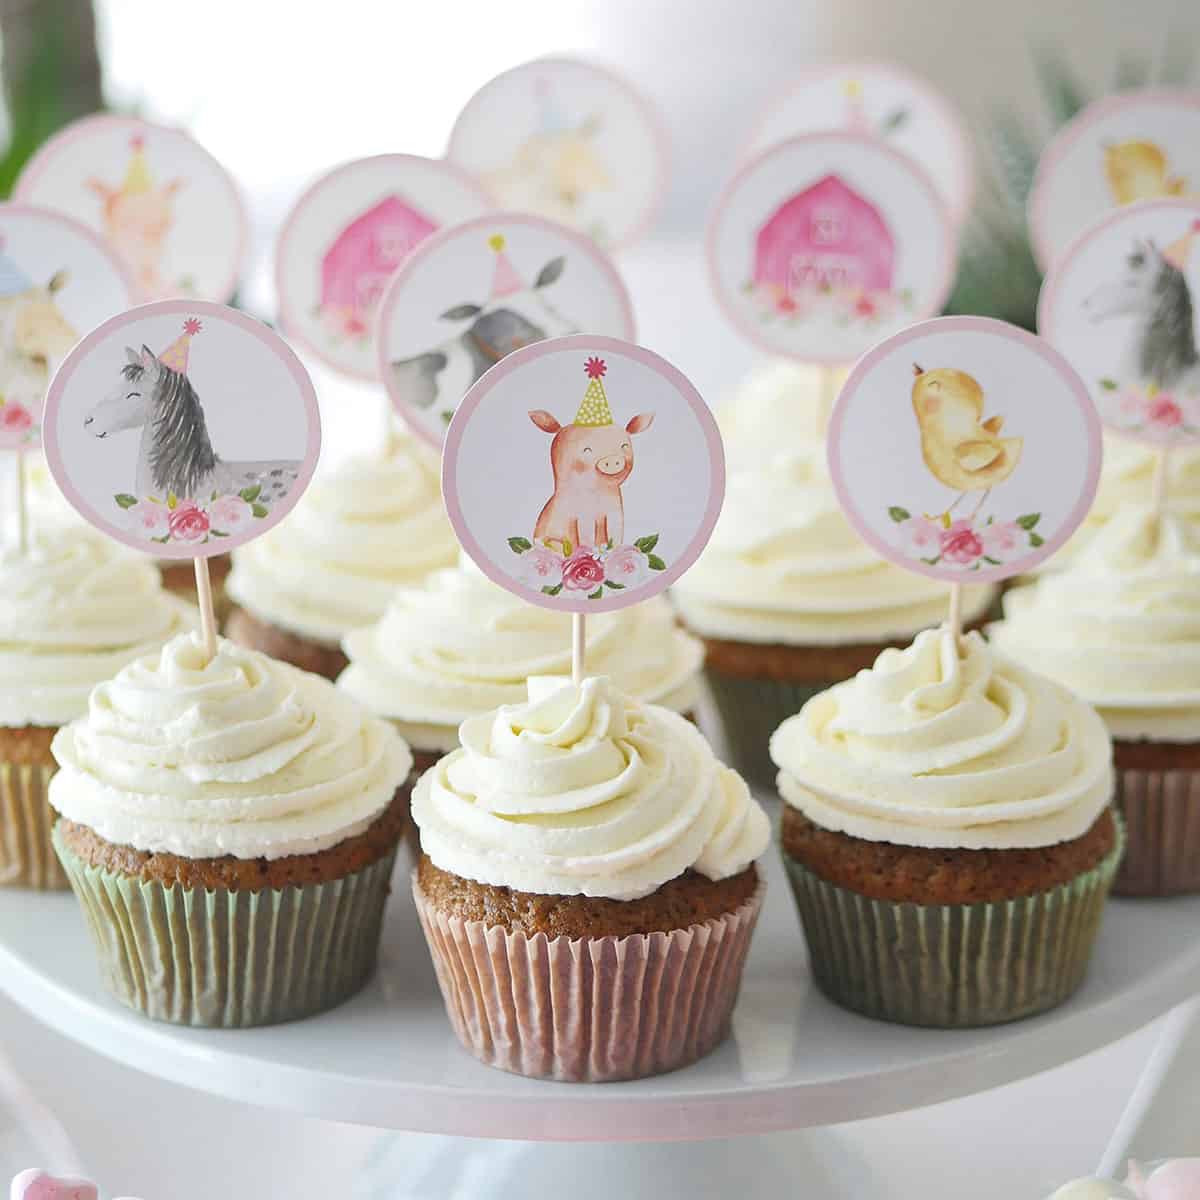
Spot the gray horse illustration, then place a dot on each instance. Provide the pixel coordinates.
(443, 375)
(1162, 349)
(176, 455)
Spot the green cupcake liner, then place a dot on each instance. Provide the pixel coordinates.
(229, 959)
(751, 710)
(952, 966)
(27, 857)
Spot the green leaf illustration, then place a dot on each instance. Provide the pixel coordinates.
(1029, 520)
(259, 510)
(447, 416)
(125, 500)
(612, 583)
(567, 547)
(898, 514)
(249, 494)
(166, 537)
(646, 544)
(553, 591)
(218, 533)
(1109, 385)
(596, 594)
(518, 545)
(932, 562)
(1036, 539)
(995, 562)
(656, 563)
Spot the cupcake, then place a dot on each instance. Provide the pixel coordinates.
(789, 600)
(374, 523)
(1120, 626)
(74, 609)
(229, 826)
(587, 885)
(948, 836)
(459, 646)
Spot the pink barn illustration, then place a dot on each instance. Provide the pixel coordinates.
(364, 256)
(825, 237)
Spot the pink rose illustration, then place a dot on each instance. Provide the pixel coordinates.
(922, 536)
(583, 571)
(1163, 412)
(864, 306)
(960, 544)
(1001, 538)
(188, 523)
(786, 304)
(150, 520)
(541, 568)
(230, 513)
(15, 417)
(626, 565)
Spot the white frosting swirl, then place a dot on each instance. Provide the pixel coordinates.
(583, 791)
(460, 645)
(373, 523)
(1120, 626)
(941, 747)
(238, 755)
(74, 609)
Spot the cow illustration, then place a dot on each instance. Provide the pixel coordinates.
(591, 458)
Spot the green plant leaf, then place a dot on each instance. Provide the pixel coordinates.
(259, 510)
(1029, 520)
(553, 591)
(125, 500)
(166, 537)
(656, 563)
(612, 583)
(1109, 385)
(518, 545)
(596, 594)
(932, 562)
(995, 562)
(898, 514)
(249, 494)
(218, 533)
(646, 544)
(1036, 539)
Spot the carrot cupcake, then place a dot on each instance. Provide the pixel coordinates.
(458, 646)
(74, 609)
(587, 886)
(1121, 628)
(948, 835)
(374, 523)
(229, 826)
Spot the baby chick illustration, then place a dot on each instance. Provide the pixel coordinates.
(961, 449)
(1138, 171)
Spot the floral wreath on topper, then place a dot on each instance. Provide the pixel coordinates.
(1120, 304)
(187, 495)
(939, 486)
(512, 304)
(587, 546)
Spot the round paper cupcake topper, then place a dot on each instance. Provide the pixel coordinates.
(583, 474)
(1120, 304)
(57, 280)
(183, 429)
(167, 208)
(567, 140)
(1135, 146)
(825, 243)
(964, 449)
(476, 292)
(884, 100)
(344, 239)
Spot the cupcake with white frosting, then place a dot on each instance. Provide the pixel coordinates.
(948, 836)
(373, 523)
(582, 829)
(74, 609)
(459, 646)
(1120, 626)
(229, 826)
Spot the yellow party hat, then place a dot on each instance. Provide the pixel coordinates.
(1178, 251)
(137, 175)
(593, 409)
(175, 355)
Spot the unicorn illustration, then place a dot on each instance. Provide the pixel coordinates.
(1161, 352)
(176, 457)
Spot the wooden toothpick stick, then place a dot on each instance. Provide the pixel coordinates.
(1158, 486)
(208, 620)
(955, 618)
(578, 645)
(22, 512)
(828, 397)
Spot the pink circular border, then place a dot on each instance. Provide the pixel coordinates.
(1000, 329)
(82, 128)
(1054, 278)
(283, 302)
(1065, 139)
(945, 272)
(642, 102)
(164, 308)
(598, 345)
(964, 159)
(432, 244)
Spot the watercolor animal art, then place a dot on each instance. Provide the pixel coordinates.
(1138, 170)
(516, 314)
(137, 217)
(183, 491)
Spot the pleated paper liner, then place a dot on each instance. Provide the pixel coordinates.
(589, 1010)
(27, 857)
(952, 966)
(229, 959)
(1162, 824)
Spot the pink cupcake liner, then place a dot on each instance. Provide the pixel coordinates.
(1162, 826)
(589, 1010)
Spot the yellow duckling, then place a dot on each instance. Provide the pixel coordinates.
(1138, 171)
(960, 449)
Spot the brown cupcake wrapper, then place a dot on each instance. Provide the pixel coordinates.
(1162, 824)
(27, 857)
(951, 966)
(590, 1010)
(229, 959)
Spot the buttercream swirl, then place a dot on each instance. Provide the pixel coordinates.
(580, 790)
(373, 523)
(459, 645)
(1120, 625)
(74, 609)
(238, 755)
(939, 746)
